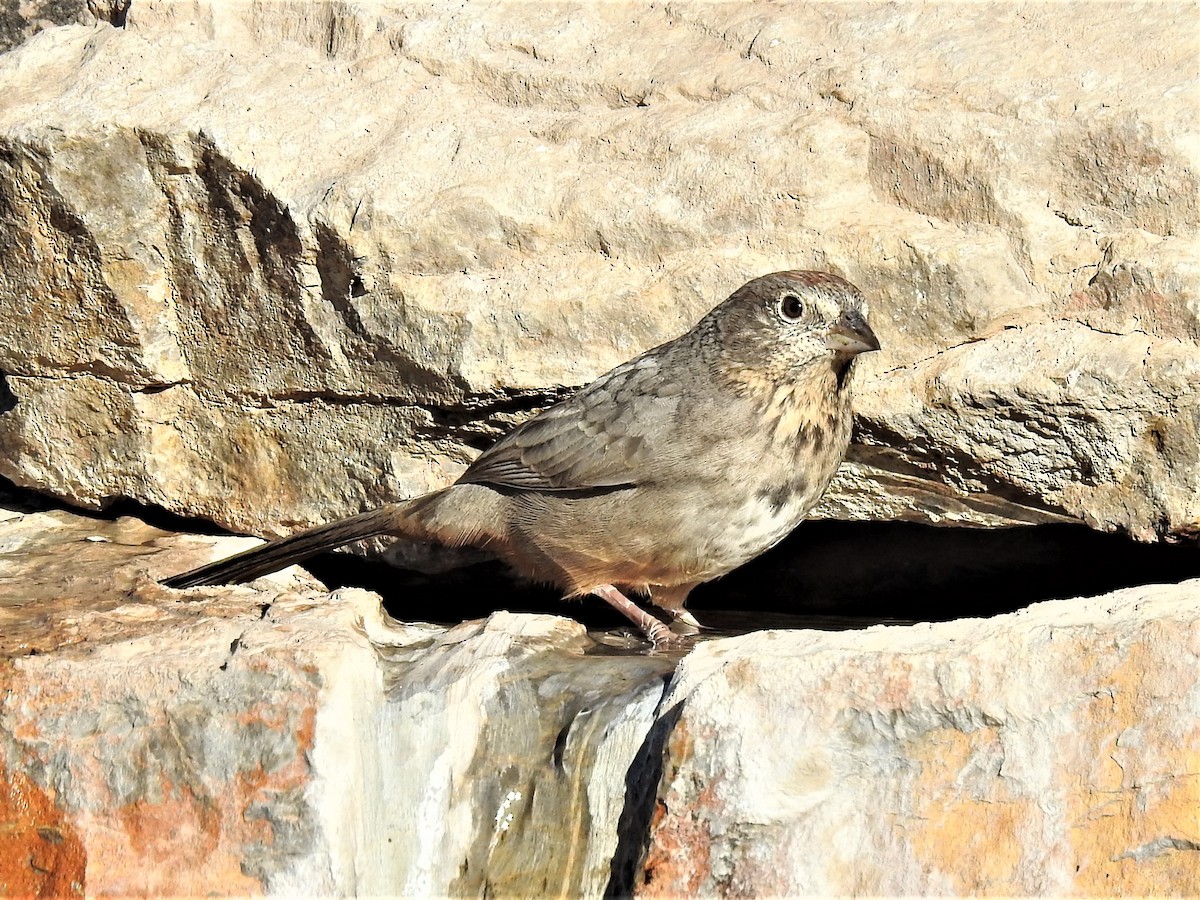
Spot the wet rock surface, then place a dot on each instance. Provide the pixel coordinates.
(280, 738)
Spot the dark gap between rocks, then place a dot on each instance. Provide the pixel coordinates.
(828, 575)
(7, 399)
(27, 500)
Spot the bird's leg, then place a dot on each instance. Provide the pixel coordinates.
(660, 635)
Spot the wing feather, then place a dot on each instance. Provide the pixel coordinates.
(602, 437)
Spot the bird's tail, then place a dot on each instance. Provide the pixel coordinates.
(276, 555)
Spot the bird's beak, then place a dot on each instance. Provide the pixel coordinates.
(851, 335)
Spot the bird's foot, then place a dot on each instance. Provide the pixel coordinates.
(660, 635)
(684, 623)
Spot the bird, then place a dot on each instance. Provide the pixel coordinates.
(668, 471)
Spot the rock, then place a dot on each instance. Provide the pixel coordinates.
(290, 741)
(1057, 415)
(269, 264)
(535, 805)
(1051, 751)
(278, 738)
(268, 286)
(19, 21)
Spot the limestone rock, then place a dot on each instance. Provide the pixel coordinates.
(268, 264)
(285, 740)
(21, 18)
(277, 738)
(1056, 414)
(1051, 751)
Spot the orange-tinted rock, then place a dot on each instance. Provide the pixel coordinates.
(41, 854)
(1054, 750)
(282, 739)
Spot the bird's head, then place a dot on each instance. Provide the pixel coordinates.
(781, 324)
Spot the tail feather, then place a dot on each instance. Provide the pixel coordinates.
(276, 555)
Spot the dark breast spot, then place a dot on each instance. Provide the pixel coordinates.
(811, 436)
(779, 496)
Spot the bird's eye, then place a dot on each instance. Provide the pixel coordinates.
(791, 307)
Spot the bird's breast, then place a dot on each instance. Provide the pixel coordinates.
(803, 436)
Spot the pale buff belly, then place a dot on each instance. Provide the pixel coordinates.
(689, 530)
(666, 538)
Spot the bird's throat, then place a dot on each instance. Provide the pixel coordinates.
(811, 407)
(843, 367)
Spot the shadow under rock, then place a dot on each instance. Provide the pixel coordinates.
(8, 400)
(642, 781)
(879, 570)
(826, 575)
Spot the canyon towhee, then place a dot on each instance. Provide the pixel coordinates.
(670, 470)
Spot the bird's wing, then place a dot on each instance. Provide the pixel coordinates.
(602, 437)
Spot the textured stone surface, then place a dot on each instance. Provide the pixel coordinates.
(271, 263)
(519, 747)
(19, 19)
(290, 741)
(277, 738)
(1052, 751)
(1104, 425)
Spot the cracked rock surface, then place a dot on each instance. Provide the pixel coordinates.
(279, 739)
(1043, 752)
(271, 264)
(268, 264)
